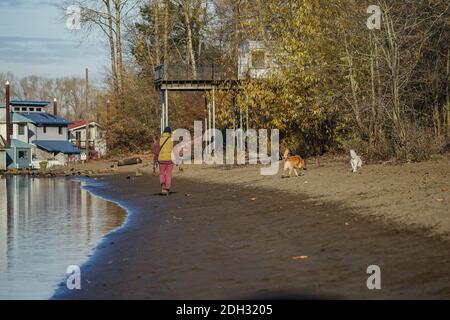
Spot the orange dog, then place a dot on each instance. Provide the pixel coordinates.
(292, 163)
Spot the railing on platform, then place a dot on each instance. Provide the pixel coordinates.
(81, 144)
(206, 73)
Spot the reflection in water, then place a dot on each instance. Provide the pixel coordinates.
(45, 226)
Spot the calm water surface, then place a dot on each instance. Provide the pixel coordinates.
(47, 225)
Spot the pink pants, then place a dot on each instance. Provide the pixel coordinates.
(165, 174)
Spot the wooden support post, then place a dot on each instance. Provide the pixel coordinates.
(161, 96)
(88, 138)
(166, 113)
(241, 142)
(209, 124)
(240, 118)
(214, 114)
(246, 116)
(206, 118)
(206, 134)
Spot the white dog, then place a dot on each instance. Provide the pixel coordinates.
(355, 161)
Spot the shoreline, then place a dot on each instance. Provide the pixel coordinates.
(88, 185)
(124, 266)
(92, 185)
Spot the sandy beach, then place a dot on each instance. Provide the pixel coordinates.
(410, 195)
(354, 94)
(233, 234)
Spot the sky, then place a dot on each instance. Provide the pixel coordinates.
(34, 40)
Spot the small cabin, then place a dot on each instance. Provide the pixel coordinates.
(88, 134)
(256, 60)
(19, 155)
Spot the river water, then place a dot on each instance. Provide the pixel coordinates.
(47, 225)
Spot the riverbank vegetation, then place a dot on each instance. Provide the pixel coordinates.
(337, 85)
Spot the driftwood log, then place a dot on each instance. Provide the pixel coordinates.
(129, 162)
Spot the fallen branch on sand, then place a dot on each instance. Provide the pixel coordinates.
(129, 161)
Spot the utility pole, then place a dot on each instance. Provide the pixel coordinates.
(8, 115)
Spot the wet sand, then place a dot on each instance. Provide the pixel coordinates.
(411, 195)
(231, 241)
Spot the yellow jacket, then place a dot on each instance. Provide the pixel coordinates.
(165, 153)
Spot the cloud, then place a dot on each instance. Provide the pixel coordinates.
(34, 40)
(39, 50)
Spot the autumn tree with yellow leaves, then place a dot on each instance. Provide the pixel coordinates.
(336, 84)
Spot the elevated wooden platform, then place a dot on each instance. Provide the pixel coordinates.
(182, 78)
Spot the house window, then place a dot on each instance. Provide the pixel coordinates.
(21, 129)
(24, 109)
(23, 155)
(11, 129)
(78, 135)
(60, 130)
(31, 109)
(17, 109)
(259, 59)
(44, 129)
(39, 109)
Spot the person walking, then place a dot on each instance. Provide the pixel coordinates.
(162, 154)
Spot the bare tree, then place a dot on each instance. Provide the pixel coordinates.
(186, 7)
(156, 31)
(166, 33)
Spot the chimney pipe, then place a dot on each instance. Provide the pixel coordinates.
(8, 115)
(108, 106)
(55, 107)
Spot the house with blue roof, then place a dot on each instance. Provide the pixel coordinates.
(47, 133)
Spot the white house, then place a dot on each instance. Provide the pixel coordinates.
(84, 132)
(256, 60)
